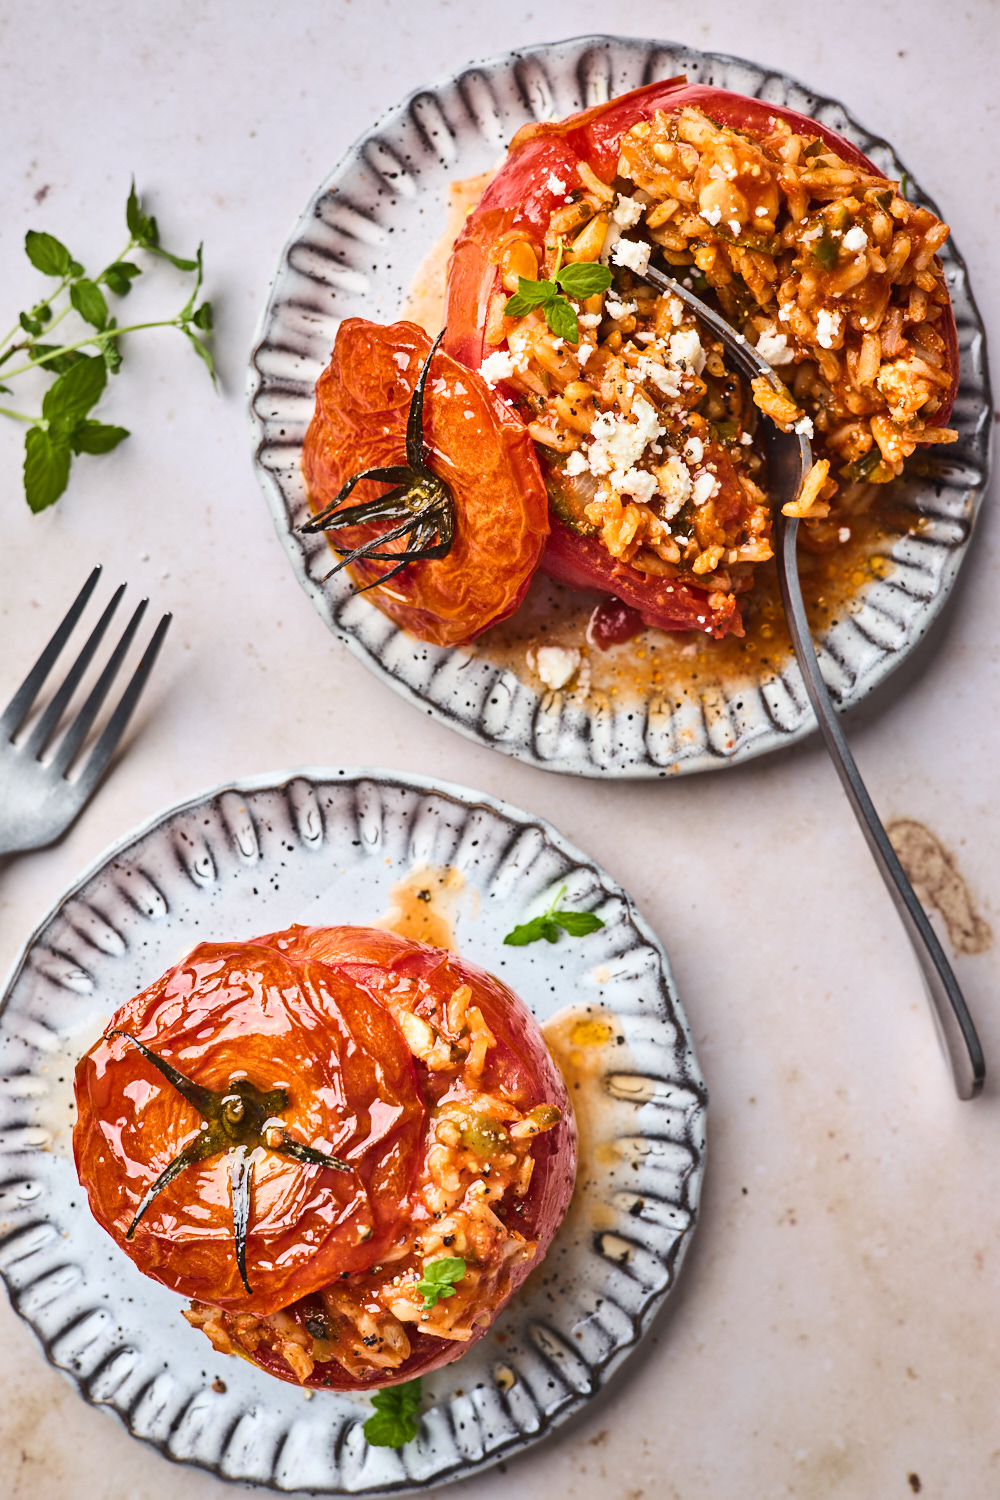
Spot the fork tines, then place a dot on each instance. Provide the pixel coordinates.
(23, 700)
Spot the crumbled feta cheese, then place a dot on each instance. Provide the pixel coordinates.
(576, 463)
(589, 320)
(497, 366)
(827, 327)
(773, 346)
(619, 310)
(620, 443)
(633, 254)
(583, 353)
(694, 450)
(704, 487)
(638, 483)
(711, 215)
(555, 184)
(855, 239)
(804, 427)
(746, 439)
(735, 226)
(785, 314)
(667, 381)
(627, 211)
(644, 338)
(685, 349)
(555, 665)
(558, 343)
(844, 534)
(674, 482)
(760, 212)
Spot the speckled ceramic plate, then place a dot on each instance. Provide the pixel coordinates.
(354, 254)
(328, 847)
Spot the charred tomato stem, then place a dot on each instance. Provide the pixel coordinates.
(420, 503)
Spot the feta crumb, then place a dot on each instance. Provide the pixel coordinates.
(844, 534)
(674, 482)
(620, 443)
(827, 327)
(638, 483)
(627, 211)
(773, 346)
(555, 665)
(685, 349)
(558, 343)
(583, 353)
(589, 320)
(619, 310)
(633, 254)
(644, 338)
(785, 314)
(711, 215)
(746, 439)
(735, 226)
(856, 239)
(694, 450)
(805, 428)
(667, 381)
(760, 212)
(576, 463)
(497, 366)
(704, 488)
(555, 184)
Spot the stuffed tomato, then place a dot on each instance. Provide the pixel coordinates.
(645, 438)
(346, 1148)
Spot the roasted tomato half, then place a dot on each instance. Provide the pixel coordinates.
(807, 250)
(475, 444)
(346, 1148)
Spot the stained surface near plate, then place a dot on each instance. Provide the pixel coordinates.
(354, 254)
(328, 847)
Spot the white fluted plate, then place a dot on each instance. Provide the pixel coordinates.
(354, 253)
(327, 847)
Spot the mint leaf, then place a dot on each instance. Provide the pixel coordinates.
(46, 468)
(47, 254)
(203, 352)
(88, 299)
(584, 278)
(60, 363)
(96, 437)
(118, 277)
(533, 932)
(29, 324)
(175, 260)
(577, 923)
(529, 294)
(392, 1423)
(562, 320)
(547, 925)
(74, 393)
(202, 317)
(439, 1278)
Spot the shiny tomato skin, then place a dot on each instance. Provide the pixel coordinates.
(250, 1010)
(477, 445)
(520, 1061)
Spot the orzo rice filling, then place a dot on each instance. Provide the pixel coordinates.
(477, 1165)
(644, 434)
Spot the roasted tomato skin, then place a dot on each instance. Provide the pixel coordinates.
(519, 198)
(249, 1010)
(477, 445)
(520, 1062)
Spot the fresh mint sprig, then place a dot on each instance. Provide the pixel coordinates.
(439, 1278)
(63, 429)
(553, 920)
(580, 279)
(393, 1422)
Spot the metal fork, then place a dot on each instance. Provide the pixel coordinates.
(790, 459)
(37, 800)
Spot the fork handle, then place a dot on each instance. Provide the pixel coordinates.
(955, 1026)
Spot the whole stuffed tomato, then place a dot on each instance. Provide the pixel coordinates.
(470, 510)
(806, 248)
(347, 1148)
